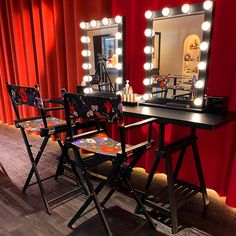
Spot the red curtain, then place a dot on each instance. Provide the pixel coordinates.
(217, 148)
(40, 43)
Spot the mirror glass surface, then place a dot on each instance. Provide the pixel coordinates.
(176, 65)
(103, 54)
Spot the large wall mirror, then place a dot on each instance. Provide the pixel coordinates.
(177, 54)
(103, 65)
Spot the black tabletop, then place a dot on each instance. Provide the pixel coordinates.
(186, 118)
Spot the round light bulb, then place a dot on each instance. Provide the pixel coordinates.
(86, 53)
(198, 102)
(83, 25)
(165, 11)
(146, 96)
(148, 50)
(149, 32)
(207, 5)
(206, 26)
(204, 46)
(118, 51)
(118, 66)
(146, 81)
(199, 84)
(88, 90)
(202, 65)
(186, 8)
(105, 21)
(87, 78)
(85, 39)
(119, 80)
(118, 19)
(93, 23)
(148, 14)
(87, 66)
(118, 35)
(147, 66)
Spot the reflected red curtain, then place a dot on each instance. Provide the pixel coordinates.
(40, 43)
(217, 148)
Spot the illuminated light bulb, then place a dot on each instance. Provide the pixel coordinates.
(118, 19)
(149, 33)
(119, 80)
(83, 25)
(199, 84)
(202, 65)
(87, 66)
(198, 102)
(204, 46)
(118, 51)
(206, 26)
(147, 66)
(146, 96)
(86, 53)
(207, 5)
(146, 81)
(85, 39)
(118, 66)
(186, 8)
(148, 14)
(93, 23)
(148, 50)
(88, 90)
(118, 35)
(87, 78)
(105, 21)
(165, 11)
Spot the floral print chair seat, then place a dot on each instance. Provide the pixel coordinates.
(106, 108)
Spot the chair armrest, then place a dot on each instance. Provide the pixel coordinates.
(54, 100)
(141, 123)
(53, 108)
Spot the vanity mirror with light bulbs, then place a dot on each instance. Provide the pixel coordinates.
(177, 55)
(103, 54)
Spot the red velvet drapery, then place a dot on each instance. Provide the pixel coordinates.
(56, 63)
(217, 148)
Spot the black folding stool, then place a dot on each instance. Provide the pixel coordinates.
(108, 109)
(46, 126)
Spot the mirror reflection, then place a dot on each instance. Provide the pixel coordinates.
(178, 42)
(103, 53)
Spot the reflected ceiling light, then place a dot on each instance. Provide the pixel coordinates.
(118, 51)
(85, 39)
(105, 21)
(204, 46)
(198, 102)
(147, 66)
(119, 80)
(146, 81)
(146, 96)
(87, 66)
(148, 14)
(118, 66)
(199, 84)
(186, 8)
(86, 53)
(88, 90)
(83, 25)
(87, 78)
(118, 19)
(207, 5)
(166, 11)
(93, 23)
(149, 32)
(118, 35)
(148, 50)
(202, 65)
(206, 25)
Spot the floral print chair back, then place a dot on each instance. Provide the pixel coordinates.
(103, 108)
